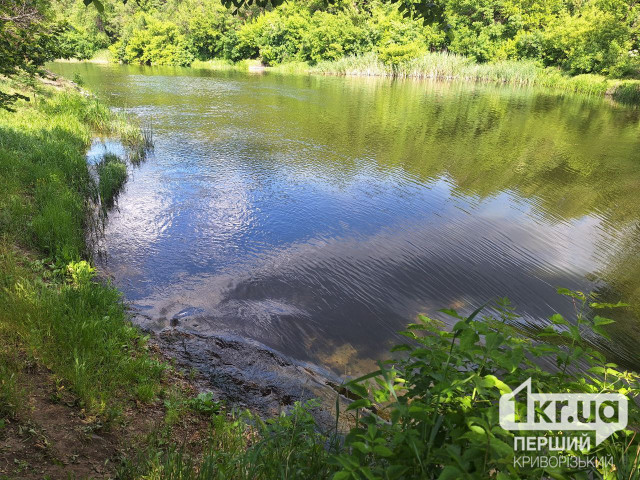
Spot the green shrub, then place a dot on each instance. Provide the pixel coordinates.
(154, 42)
(594, 41)
(437, 404)
(334, 35)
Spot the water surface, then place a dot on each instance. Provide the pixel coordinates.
(319, 215)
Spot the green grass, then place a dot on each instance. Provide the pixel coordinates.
(240, 445)
(225, 65)
(626, 91)
(49, 301)
(102, 56)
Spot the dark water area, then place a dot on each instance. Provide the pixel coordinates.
(320, 215)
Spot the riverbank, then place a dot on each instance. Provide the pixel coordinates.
(62, 333)
(446, 66)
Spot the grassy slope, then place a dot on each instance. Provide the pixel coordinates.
(50, 307)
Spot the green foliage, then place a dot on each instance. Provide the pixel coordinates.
(441, 396)
(432, 412)
(78, 328)
(204, 403)
(242, 446)
(28, 39)
(595, 41)
(589, 37)
(153, 42)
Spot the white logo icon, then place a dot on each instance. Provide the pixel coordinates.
(602, 413)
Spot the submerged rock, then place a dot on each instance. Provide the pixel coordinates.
(250, 375)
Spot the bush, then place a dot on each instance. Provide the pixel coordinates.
(332, 36)
(279, 35)
(154, 42)
(437, 405)
(595, 41)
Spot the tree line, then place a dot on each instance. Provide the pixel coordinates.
(577, 36)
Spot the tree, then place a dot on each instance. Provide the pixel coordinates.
(27, 41)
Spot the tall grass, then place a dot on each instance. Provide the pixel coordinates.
(226, 65)
(48, 298)
(78, 328)
(103, 55)
(444, 65)
(627, 91)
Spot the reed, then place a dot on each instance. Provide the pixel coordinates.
(448, 66)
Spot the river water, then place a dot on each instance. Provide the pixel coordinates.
(320, 215)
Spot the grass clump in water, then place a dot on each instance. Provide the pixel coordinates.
(112, 175)
(627, 91)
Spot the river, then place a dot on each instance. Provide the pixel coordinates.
(319, 215)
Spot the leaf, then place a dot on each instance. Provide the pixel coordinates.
(395, 471)
(358, 389)
(468, 339)
(502, 449)
(493, 381)
(598, 320)
(382, 451)
(600, 331)
(608, 305)
(361, 403)
(574, 332)
(401, 348)
(476, 312)
(558, 319)
(477, 429)
(361, 446)
(493, 340)
(342, 475)
(451, 313)
(450, 473)
(366, 471)
(572, 293)
(460, 326)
